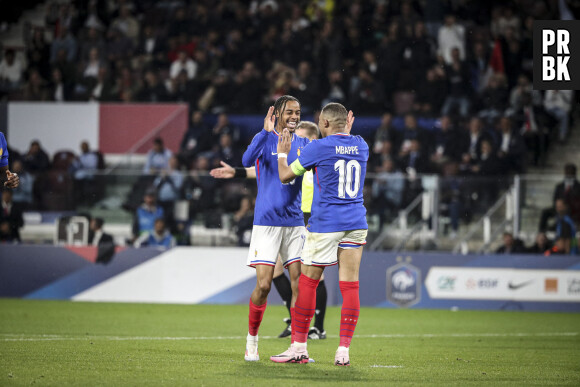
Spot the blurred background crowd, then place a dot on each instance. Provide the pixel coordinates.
(449, 79)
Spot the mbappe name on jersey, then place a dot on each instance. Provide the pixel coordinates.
(347, 150)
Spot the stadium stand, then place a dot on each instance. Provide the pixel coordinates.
(454, 75)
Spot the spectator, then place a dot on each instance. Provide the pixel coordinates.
(479, 65)
(530, 119)
(103, 241)
(23, 194)
(511, 150)
(153, 90)
(151, 47)
(59, 90)
(523, 87)
(93, 64)
(92, 40)
(430, 97)
(457, 74)
(83, 169)
(306, 88)
(410, 132)
(387, 191)
(510, 245)
(559, 103)
(38, 53)
(453, 190)
(157, 158)
(11, 213)
(249, 89)
(182, 89)
(102, 88)
(494, 98)
(337, 88)
(217, 97)
(146, 214)
(226, 151)
(127, 24)
(96, 234)
(168, 185)
(65, 41)
(183, 63)
(366, 94)
(11, 70)
(199, 188)
(485, 170)
(445, 145)
(386, 132)
(158, 237)
(541, 245)
(563, 225)
(198, 138)
(451, 37)
(35, 89)
(36, 160)
(119, 46)
(243, 220)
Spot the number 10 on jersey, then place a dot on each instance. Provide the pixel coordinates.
(348, 178)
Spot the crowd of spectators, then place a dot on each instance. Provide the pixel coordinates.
(465, 65)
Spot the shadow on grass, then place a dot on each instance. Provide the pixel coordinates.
(303, 372)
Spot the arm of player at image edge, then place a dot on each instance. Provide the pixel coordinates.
(286, 172)
(226, 171)
(12, 179)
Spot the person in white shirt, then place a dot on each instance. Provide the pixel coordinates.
(451, 35)
(10, 71)
(183, 62)
(559, 103)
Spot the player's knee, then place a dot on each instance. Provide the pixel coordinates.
(264, 286)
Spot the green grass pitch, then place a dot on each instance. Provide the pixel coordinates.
(84, 344)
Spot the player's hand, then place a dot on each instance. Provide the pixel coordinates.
(349, 120)
(225, 172)
(12, 180)
(270, 120)
(284, 141)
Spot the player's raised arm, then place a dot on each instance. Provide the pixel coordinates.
(255, 148)
(226, 171)
(349, 121)
(284, 170)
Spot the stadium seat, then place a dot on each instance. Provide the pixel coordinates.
(62, 160)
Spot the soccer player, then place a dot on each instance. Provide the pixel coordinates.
(278, 221)
(337, 229)
(308, 130)
(12, 179)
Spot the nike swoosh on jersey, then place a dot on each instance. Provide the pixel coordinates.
(274, 154)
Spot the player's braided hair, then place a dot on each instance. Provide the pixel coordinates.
(281, 102)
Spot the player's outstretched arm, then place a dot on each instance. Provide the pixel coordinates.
(285, 173)
(226, 171)
(12, 179)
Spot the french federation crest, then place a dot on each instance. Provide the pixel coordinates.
(403, 285)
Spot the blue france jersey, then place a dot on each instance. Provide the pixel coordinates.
(3, 151)
(340, 164)
(277, 204)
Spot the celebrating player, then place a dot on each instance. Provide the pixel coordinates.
(12, 179)
(337, 229)
(308, 130)
(278, 221)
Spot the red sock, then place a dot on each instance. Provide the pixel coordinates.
(350, 311)
(255, 317)
(292, 322)
(304, 308)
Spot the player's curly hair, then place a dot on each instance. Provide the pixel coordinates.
(281, 102)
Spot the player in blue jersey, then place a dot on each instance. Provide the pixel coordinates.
(337, 228)
(12, 180)
(278, 219)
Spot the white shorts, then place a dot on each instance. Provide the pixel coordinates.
(321, 249)
(268, 242)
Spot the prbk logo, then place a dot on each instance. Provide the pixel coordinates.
(556, 55)
(403, 284)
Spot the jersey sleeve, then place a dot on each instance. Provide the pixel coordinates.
(310, 155)
(3, 151)
(255, 148)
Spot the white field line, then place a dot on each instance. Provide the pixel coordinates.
(27, 337)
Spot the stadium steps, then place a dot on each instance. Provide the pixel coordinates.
(14, 35)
